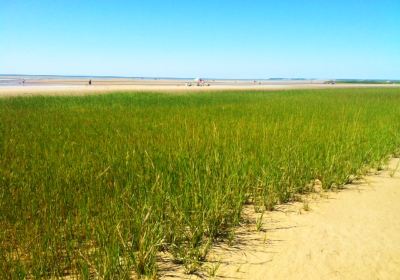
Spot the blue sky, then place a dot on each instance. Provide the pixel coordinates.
(208, 38)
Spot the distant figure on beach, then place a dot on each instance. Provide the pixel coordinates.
(90, 82)
(23, 82)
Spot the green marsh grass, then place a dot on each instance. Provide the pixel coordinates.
(96, 186)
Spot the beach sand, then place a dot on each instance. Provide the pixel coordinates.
(81, 87)
(350, 234)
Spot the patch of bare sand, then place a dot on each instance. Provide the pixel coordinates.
(76, 88)
(350, 234)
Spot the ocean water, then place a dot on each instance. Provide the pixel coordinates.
(10, 82)
(32, 80)
(17, 80)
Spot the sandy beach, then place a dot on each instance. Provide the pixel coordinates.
(80, 86)
(350, 234)
(170, 140)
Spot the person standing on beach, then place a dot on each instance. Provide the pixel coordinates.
(90, 82)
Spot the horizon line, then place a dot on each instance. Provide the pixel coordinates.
(186, 78)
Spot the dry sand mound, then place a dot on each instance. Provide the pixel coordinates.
(351, 234)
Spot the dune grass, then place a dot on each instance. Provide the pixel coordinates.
(96, 186)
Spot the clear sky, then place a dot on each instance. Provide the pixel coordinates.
(207, 38)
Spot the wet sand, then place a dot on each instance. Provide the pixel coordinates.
(350, 234)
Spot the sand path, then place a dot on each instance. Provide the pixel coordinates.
(350, 234)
